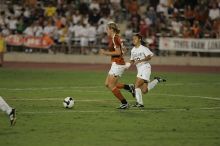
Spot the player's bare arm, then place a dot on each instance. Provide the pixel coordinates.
(108, 53)
(147, 58)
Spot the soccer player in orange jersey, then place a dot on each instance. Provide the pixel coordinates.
(118, 64)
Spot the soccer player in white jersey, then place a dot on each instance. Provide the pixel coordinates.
(8, 110)
(140, 56)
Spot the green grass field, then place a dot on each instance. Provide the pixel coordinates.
(185, 111)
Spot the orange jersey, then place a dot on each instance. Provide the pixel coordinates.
(114, 43)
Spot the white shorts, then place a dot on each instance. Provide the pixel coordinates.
(144, 72)
(117, 70)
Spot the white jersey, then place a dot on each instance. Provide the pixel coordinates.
(139, 54)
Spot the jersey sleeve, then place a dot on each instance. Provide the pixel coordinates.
(147, 52)
(117, 42)
(132, 57)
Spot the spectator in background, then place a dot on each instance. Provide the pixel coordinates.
(60, 2)
(2, 49)
(83, 8)
(85, 19)
(192, 3)
(216, 28)
(162, 7)
(38, 29)
(2, 18)
(201, 14)
(128, 32)
(12, 24)
(5, 30)
(176, 13)
(170, 6)
(76, 17)
(48, 41)
(17, 10)
(186, 30)
(94, 5)
(116, 9)
(153, 3)
(20, 25)
(49, 28)
(31, 3)
(133, 7)
(135, 21)
(101, 28)
(58, 22)
(92, 33)
(83, 38)
(152, 43)
(63, 20)
(26, 12)
(64, 38)
(214, 12)
(143, 29)
(105, 9)
(50, 10)
(175, 27)
(61, 10)
(39, 11)
(196, 30)
(94, 16)
(207, 28)
(29, 31)
(152, 15)
(75, 33)
(189, 14)
(179, 4)
(163, 23)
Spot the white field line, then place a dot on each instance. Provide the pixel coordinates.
(60, 99)
(114, 111)
(91, 90)
(189, 96)
(51, 88)
(99, 100)
(96, 87)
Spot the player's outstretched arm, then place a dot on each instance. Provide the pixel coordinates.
(108, 53)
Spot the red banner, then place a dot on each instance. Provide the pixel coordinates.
(35, 42)
(31, 42)
(14, 40)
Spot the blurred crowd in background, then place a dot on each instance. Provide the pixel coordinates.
(82, 22)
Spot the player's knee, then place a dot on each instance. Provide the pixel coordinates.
(110, 86)
(145, 91)
(106, 85)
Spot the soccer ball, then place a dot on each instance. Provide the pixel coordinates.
(68, 102)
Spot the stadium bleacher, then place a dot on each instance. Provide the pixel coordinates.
(79, 26)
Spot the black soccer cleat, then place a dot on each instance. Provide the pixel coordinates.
(160, 79)
(12, 117)
(138, 105)
(132, 89)
(123, 106)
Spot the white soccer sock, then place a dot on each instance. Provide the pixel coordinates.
(138, 95)
(152, 84)
(4, 106)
